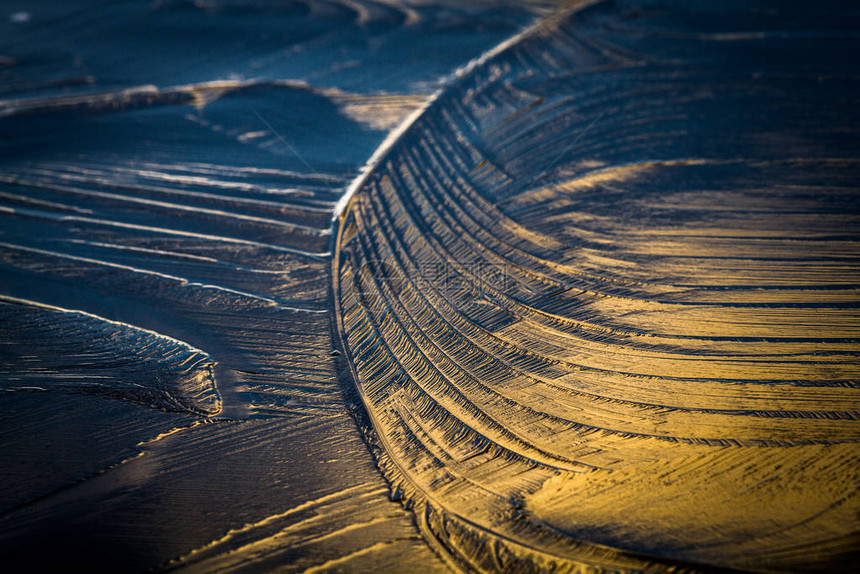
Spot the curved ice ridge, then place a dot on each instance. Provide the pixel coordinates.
(48, 348)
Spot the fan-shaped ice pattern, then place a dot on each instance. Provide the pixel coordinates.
(601, 299)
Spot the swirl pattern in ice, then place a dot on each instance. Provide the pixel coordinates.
(168, 170)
